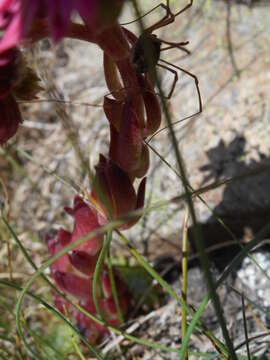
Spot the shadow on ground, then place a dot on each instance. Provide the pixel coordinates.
(245, 206)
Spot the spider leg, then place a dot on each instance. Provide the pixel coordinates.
(184, 8)
(183, 43)
(149, 12)
(193, 76)
(175, 45)
(167, 19)
(178, 47)
(174, 81)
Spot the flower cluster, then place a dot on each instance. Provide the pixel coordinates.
(133, 113)
(73, 272)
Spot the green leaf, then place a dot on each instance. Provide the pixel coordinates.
(59, 342)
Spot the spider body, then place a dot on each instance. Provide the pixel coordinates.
(146, 45)
(146, 50)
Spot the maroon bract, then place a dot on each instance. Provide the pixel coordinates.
(113, 193)
(17, 82)
(10, 118)
(83, 262)
(10, 62)
(73, 274)
(127, 148)
(62, 269)
(92, 330)
(85, 221)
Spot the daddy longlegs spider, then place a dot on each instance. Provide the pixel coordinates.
(140, 49)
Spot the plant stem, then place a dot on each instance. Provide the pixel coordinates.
(99, 264)
(114, 289)
(184, 279)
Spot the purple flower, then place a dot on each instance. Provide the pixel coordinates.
(20, 19)
(10, 23)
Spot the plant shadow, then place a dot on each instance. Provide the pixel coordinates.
(245, 204)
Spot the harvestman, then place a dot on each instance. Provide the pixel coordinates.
(139, 55)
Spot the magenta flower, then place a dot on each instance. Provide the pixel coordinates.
(57, 13)
(18, 18)
(10, 23)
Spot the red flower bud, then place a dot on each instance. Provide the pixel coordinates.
(153, 113)
(113, 42)
(126, 147)
(113, 192)
(112, 78)
(113, 111)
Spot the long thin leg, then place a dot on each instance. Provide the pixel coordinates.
(174, 81)
(175, 45)
(190, 74)
(183, 43)
(149, 12)
(184, 8)
(178, 47)
(170, 16)
(167, 19)
(173, 124)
